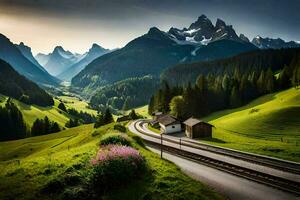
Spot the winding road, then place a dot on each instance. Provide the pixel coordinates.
(226, 183)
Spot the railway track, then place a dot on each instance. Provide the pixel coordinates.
(267, 179)
(279, 164)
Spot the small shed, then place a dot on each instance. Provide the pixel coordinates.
(195, 128)
(154, 122)
(169, 124)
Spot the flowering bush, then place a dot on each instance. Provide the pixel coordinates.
(115, 165)
(115, 138)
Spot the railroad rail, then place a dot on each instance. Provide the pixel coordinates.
(275, 163)
(264, 178)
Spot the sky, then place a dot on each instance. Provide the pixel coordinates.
(76, 25)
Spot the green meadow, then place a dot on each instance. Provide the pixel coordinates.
(31, 166)
(32, 112)
(269, 125)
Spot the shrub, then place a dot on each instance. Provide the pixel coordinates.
(115, 138)
(115, 165)
(120, 128)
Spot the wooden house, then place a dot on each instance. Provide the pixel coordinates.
(195, 128)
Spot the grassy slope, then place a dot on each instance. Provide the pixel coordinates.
(32, 112)
(269, 125)
(143, 111)
(74, 102)
(49, 157)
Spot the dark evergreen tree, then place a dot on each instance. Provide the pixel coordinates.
(12, 124)
(270, 82)
(108, 118)
(132, 115)
(62, 106)
(72, 123)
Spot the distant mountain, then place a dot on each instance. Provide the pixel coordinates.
(155, 51)
(203, 32)
(14, 85)
(269, 43)
(59, 60)
(26, 51)
(94, 52)
(148, 54)
(12, 55)
(42, 58)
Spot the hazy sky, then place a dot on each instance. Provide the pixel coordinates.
(76, 24)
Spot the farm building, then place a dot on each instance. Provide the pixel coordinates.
(155, 116)
(169, 124)
(195, 128)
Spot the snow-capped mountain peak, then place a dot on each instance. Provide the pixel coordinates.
(202, 32)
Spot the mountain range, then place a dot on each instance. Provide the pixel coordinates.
(59, 60)
(203, 32)
(269, 43)
(20, 58)
(149, 54)
(156, 50)
(94, 52)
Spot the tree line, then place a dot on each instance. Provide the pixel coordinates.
(125, 94)
(213, 92)
(78, 118)
(258, 60)
(17, 86)
(13, 125)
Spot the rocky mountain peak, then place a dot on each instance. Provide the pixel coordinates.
(220, 24)
(202, 22)
(244, 38)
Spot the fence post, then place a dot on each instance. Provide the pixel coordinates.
(161, 146)
(180, 143)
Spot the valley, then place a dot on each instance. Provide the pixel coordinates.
(172, 111)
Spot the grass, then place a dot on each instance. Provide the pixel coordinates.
(143, 111)
(32, 168)
(155, 130)
(32, 112)
(80, 105)
(269, 125)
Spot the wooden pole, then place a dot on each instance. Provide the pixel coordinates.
(180, 143)
(161, 145)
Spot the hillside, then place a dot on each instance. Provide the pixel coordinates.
(252, 61)
(269, 125)
(14, 85)
(125, 94)
(12, 55)
(148, 54)
(57, 166)
(32, 112)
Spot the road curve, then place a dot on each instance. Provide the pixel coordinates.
(231, 186)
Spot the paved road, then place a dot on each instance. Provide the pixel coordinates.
(223, 158)
(231, 186)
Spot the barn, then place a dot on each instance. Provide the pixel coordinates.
(169, 124)
(195, 128)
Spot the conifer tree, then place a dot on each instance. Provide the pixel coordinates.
(62, 106)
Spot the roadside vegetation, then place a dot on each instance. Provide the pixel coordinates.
(269, 125)
(63, 166)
